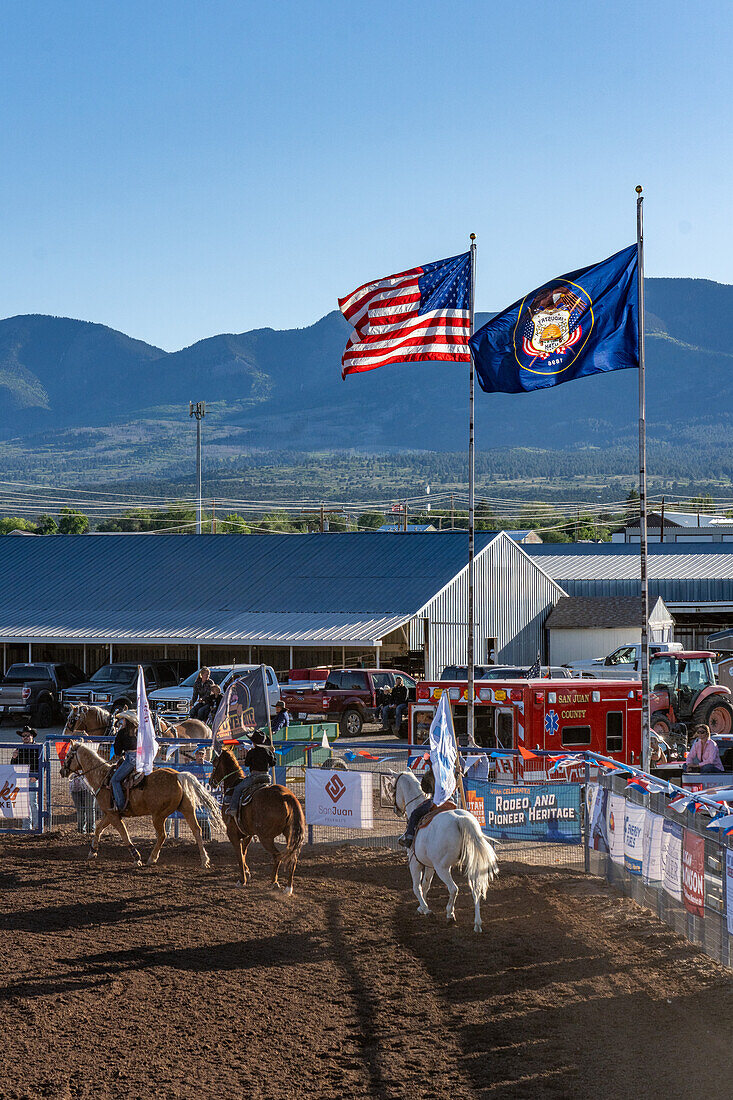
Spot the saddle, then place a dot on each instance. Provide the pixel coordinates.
(433, 813)
(129, 783)
(256, 785)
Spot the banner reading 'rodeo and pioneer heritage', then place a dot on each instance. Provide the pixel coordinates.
(534, 812)
(341, 799)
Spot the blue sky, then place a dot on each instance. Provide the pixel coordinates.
(179, 169)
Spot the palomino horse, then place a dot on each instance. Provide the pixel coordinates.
(164, 792)
(84, 718)
(189, 730)
(452, 837)
(271, 812)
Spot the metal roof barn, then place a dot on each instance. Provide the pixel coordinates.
(273, 590)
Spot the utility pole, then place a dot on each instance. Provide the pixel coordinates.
(404, 519)
(452, 513)
(661, 530)
(322, 520)
(198, 409)
(213, 517)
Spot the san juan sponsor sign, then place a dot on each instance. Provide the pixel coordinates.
(14, 782)
(693, 873)
(533, 812)
(341, 799)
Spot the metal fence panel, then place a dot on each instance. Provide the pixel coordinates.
(34, 823)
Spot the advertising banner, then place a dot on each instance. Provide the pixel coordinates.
(597, 806)
(652, 862)
(245, 706)
(615, 815)
(14, 781)
(548, 812)
(672, 859)
(693, 873)
(341, 799)
(634, 817)
(729, 889)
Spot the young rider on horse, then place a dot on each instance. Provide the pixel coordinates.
(428, 785)
(125, 745)
(259, 760)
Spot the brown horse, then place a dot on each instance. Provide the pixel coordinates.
(164, 792)
(84, 718)
(271, 812)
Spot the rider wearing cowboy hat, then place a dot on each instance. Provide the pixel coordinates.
(259, 760)
(29, 753)
(125, 745)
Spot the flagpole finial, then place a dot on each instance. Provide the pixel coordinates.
(638, 189)
(472, 236)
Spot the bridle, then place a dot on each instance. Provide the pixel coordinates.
(397, 811)
(78, 771)
(83, 714)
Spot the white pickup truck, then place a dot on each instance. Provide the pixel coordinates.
(623, 664)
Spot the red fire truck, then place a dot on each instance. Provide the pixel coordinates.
(602, 716)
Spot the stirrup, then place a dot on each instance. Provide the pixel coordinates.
(405, 840)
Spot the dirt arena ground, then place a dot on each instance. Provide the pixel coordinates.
(172, 983)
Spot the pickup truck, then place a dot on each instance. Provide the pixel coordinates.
(174, 703)
(622, 664)
(349, 696)
(33, 691)
(114, 686)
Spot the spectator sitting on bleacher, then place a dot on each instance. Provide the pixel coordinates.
(703, 756)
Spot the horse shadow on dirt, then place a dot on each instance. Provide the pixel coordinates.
(84, 914)
(236, 955)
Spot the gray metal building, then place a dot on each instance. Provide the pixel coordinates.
(695, 580)
(286, 600)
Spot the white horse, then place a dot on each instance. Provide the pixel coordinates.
(452, 837)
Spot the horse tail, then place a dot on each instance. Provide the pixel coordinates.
(296, 821)
(199, 797)
(477, 858)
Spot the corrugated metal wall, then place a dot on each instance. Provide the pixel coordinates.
(513, 599)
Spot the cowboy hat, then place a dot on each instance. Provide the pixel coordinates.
(25, 730)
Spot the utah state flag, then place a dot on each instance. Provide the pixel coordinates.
(582, 323)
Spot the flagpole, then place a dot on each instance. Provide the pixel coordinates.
(645, 754)
(471, 470)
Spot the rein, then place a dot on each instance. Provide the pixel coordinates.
(399, 813)
(224, 778)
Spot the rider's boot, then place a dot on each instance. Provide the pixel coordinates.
(406, 839)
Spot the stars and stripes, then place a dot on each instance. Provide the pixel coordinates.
(535, 670)
(418, 315)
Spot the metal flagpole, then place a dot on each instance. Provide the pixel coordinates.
(471, 467)
(645, 758)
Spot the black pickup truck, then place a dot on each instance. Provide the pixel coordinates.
(33, 692)
(114, 686)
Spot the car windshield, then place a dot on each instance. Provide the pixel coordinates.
(17, 673)
(115, 674)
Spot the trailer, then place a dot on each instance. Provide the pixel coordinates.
(565, 716)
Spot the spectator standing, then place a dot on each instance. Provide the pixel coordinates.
(399, 702)
(281, 721)
(29, 753)
(83, 800)
(201, 772)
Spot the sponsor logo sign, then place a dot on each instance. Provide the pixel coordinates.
(634, 837)
(693, 873)
(14, 781)
(475, 806)
(616, 815)
(672, 859)
(729, 889)
(340, 799)
(652, 864)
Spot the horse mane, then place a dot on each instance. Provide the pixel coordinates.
(232, 760)
(84, 747)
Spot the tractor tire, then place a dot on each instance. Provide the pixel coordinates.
(351, 723)
(719, 716)
(660, 724)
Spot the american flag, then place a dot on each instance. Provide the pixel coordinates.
(535, 671)
(418, 315)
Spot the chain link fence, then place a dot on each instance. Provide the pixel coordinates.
(675, 866)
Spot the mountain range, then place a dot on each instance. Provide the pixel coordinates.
(63, 381)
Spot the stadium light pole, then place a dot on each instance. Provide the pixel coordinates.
(198, 409)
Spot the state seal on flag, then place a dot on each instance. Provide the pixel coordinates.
(552, 328)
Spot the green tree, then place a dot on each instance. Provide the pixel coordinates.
(233, 524)
(370, 520)
(47, 525)
(15, 523)
(72, 522)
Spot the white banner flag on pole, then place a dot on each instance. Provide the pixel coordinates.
(443, 752)
(147, 746)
